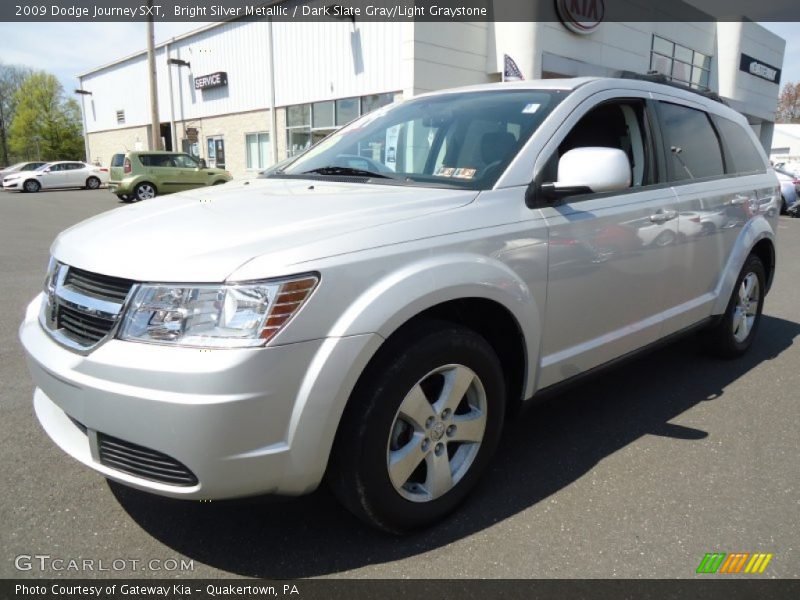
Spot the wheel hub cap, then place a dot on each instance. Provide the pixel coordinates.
(436, 433)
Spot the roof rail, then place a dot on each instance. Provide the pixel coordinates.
(656, 77)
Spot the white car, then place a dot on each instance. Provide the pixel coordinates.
(62, 174)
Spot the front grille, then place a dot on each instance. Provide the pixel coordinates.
(142, 462)
(81, 327)
(98, 286)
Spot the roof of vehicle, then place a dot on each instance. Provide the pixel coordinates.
(626, 80)
(151, 152)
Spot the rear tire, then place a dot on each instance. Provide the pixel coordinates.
(144, 191)
(733, 334)
(31, 185)
(408, 452)
(92, 183)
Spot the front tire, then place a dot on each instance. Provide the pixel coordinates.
(420, 427)
(31, 185)
(734, 333)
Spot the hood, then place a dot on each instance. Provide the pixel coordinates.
(205, 234)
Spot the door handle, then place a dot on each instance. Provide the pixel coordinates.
(662, 216)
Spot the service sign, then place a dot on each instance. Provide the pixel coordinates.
(204, 82)
(748, 64)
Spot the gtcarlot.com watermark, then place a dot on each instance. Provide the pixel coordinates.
(48, 563)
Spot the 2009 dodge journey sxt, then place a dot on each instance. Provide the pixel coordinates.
(372, 311)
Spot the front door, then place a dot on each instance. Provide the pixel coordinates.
(609, 254)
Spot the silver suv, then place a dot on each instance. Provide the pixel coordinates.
(372, 312)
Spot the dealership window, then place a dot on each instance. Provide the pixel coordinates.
(259, 154)
(680, 63)
(306, 124)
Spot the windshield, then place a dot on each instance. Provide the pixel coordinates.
(461, 139)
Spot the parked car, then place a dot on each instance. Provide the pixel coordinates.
(377, 328)
(20, 166)
(61, 174)
(790, 187)
(144, 175)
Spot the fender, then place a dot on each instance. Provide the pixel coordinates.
(401, 295)
(377, 313)
(753, 232)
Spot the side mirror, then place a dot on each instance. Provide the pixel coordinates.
(203, 164)
(589, 170)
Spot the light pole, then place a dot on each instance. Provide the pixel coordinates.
(178, 63)
(155, 122)
(82, 94)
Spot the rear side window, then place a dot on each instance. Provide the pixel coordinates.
(156, 160)
(743, 153)
(117, 160)
(693, 150)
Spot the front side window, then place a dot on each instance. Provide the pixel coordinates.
(619, 124)
(462, 139)
(692, 146)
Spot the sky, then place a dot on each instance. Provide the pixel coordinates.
(66, 49)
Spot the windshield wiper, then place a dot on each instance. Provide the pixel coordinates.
(347, 171)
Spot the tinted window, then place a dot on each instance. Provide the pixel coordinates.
(184, 161)
(156, 160)
(692, 146)
(117, 160)
(745, 156)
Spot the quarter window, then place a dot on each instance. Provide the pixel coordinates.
(743, 153)
(692, 146)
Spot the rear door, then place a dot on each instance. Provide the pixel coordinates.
(714, 205)
(609, 254)
(190, 174)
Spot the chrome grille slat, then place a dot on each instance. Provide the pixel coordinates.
(87, 306)
(142, 462)
(105, 286)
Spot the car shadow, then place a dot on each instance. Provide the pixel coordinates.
(544, 450)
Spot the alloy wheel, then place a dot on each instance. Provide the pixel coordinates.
(145, 192)
(436, 433)
(744, 315)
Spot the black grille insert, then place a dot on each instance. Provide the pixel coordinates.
(142, 462)
(99, 286)
(84, 329)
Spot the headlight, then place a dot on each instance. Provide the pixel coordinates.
(214, 316)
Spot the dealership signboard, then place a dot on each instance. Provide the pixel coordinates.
(214, 80)
(760, 69)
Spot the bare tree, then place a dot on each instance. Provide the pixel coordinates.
(789, 104)
(11, 78)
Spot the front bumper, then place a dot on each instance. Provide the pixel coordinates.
(244, 422)
(12, 185)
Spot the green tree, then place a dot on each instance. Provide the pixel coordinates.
(11, 78)
(46, 124)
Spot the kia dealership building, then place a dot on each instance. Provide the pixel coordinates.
(245, 94)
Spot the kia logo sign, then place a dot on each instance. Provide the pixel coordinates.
(218, 79)
(581, 16)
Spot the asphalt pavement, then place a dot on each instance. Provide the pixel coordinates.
(637, 473)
